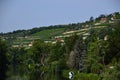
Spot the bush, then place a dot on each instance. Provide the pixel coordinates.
(86, 76)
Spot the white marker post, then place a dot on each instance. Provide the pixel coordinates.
(71, 75)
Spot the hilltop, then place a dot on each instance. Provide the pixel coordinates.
(52, 33)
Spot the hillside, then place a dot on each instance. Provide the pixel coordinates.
(77, 51)
(26, 37)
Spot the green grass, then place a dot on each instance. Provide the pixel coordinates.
(48, 34)
(104, 24)
(118, 16)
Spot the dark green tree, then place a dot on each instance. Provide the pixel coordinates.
(70, 42)
(91, 19)
(38, 54)
(17, 62)
(94, 58)
(113, 51)
(57, 52)
(3, 60)
(57, 59)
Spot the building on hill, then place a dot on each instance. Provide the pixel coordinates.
(106, 37)
(26, 37)
(31, 44)
(54, 42)
(47, 41)
(59, 39)
(97, 24)
(103, 20)
(15, 46)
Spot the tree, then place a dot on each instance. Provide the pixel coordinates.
(70, 42)
(113, 51)
(57, 52)
(17, 61)
(38, 54)
(112, 73)
(3, 60)
(94, 55)
(91, 19)
(78, 55)
(94, 58)
(57, 59)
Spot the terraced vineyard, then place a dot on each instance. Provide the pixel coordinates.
(51, 34)
(48, 34)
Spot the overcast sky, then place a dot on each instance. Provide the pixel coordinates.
(26, 14)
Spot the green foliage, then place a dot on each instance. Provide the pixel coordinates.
(86, 76)
(57, 60)
(38, 54)
(70, 42)
(57, 52)
(114, 44)
(65, 73)
(94, 55)
(17, 57)
(112, 73)
(104, 24)
(3, 60)
(104, 31)
(91, 19)
(48, 34)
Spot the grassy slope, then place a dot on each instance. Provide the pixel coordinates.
(44, 35)
(47, 34)
(51, 33)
